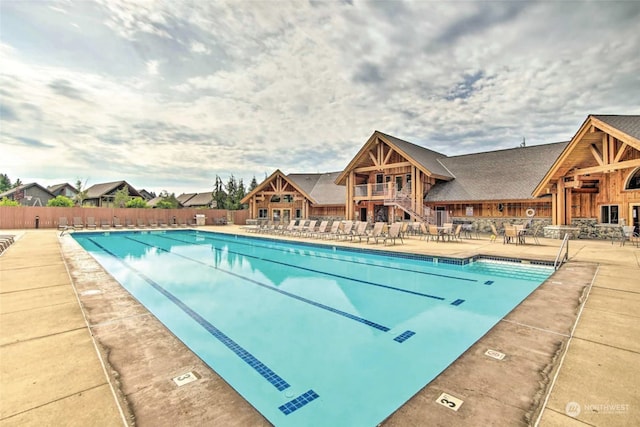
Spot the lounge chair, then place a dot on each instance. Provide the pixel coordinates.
(63, 223)
(345, 232)
(455, 235)
(333, 231)
(77, 223)
(105, 224)
(153, 223)
(91, 223)
(360, 231)
(129, 223)
(116, 222)
(322, 228)
(7, 240)
(377, 232)
(288, 229)
(393, 233)
(183, 222)
(140, 223)
(163, 223)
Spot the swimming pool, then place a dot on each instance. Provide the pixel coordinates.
(310, 334)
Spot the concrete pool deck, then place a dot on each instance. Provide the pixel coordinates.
(115, 367)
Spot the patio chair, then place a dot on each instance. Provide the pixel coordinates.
(333, 231)
(77, 223)
(628, 234)
(322, 228)
(91, 223)
(494, 232)
(378, 232)
(455, 234)
(360, 231)
(345, 232)
(393, 233)
(63, 223)
(510, 235)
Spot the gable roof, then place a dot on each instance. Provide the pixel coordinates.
(428, 161)
(25, 187)
(98, 190)
(509, 174)
(321, 187)
(269, 179)
(624, 128)
(627, 124)
(57, 187)
(185, 196)
(198, 199)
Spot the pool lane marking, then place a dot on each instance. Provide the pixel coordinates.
(271, 288)
(325, 273)
(247, 357)
(275, 248)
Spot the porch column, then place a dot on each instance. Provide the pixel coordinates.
(561, 202)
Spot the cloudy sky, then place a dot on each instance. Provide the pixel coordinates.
(167, 94)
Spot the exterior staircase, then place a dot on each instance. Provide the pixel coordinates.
(402, 200)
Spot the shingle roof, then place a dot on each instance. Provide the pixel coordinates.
(627, 124)
(185, 197)
(24, 187)
(496, 175)
(200, 199)
(98, 190)
(429, 159)
(321, 187)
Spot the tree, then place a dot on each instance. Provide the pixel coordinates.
(8, 202)
(60, 201)
(136, 202)
(82, 192)
(18, 183)
(232, 189)
(121, 197)
(5, 183)
(253, 184)
(168, 201)
(240, 193)
(219, 196)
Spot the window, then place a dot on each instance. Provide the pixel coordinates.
(609, 214)
(399, 182)
(408, 179)
(288, 198)
(275, 214)
(634, 181)
(262, 213)
(275, 198)
(298, 213)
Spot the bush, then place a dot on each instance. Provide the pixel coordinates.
(136, 202)
(61, 201)
(7, 202)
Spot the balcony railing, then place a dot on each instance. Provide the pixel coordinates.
(387, 190)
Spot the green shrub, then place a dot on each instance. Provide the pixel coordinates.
(60, 201)
(136, 202)
(8, 202)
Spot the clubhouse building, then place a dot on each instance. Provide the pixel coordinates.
(590, 184)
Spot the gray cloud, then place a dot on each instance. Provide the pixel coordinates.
(65, 88)
(31, 143)
(7, 113)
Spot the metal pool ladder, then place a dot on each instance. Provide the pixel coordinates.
(562, 258)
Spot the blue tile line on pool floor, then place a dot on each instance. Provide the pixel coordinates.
(247, 357)
(404, 336)
(298, 402)
(457, 302)
(271, 288)
(446, 276)
(489, 282)
(326, 273)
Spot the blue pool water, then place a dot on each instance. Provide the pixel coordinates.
(311, 334)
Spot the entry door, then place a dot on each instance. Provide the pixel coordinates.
(363, 214)
(286, 215)
(441, 215)
(635, 217)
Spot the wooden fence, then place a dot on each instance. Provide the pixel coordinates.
(21, 217)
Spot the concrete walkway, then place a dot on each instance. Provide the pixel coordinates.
(51, 373)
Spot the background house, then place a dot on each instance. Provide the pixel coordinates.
(32, 194)
(102, 195)
(64, 189)
(196, 200)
